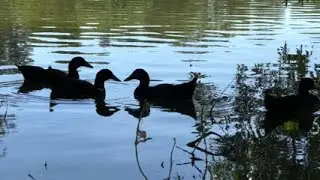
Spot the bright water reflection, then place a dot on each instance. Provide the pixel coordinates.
(80, 140)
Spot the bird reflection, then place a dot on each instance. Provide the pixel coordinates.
(102, 108)
(185, 107)
(304, 119)
(141, 112)
(29, 86)
(297, 108)
(105, 110)
(273, 120)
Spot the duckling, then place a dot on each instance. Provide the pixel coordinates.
(293, 107)
(162, 91)
(71, 88)
(38, 74)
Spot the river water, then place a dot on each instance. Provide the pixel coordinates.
(169, 39)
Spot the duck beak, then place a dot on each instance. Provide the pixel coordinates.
(129, 78)
(88, 65)
(115, 78)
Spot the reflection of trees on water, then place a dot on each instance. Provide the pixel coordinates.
(183, 21)
(247, 152)
(13, 45)
(13, 49)
(13, 38)
(302, 2)
(6, 118)
(6, 123)
(233, 139)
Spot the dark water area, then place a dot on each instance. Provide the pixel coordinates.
(240, 48)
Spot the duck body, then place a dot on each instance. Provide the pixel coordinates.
(71, 88)
(291, 106)
(167, 91)
(39, 74)
(298, 107)
(75, 89)
(161, 91)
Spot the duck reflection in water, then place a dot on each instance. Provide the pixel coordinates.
(185, 107)
(141, 112)
(102, 108)
(298, 108)
(29, 86)
(105, 110)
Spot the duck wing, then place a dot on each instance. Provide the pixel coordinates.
(170, 91)
(60, 73)
(288, 103)
(57, 72)
(71, 88)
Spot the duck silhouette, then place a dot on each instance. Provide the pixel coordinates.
(299, 107)
(162, 91)
(71, 88)
(40, 75)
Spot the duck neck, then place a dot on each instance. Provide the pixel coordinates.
(144, 82)
(98, 84)
(72, 72)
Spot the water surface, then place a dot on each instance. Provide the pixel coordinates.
(170, 40)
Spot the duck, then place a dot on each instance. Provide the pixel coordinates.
(71, 88)
(162, 91)
(39, 74)
(298, 107)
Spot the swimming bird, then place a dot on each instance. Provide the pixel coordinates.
(299, 107)
(71, 88)
(292, 102)
(162, 91)
(39, 74)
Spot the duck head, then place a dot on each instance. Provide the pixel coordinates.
(77, 62)
(104, 75)
(139, 74)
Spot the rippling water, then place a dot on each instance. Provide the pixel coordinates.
(72, 140)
